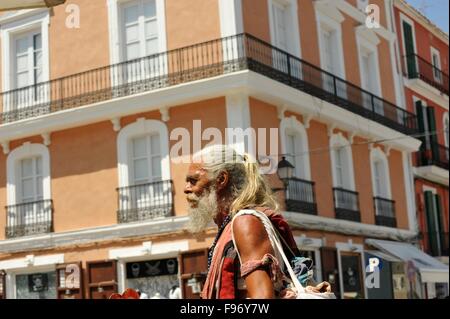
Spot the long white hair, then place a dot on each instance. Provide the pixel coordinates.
(248, 187)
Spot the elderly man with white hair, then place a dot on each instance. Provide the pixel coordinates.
(242, 263)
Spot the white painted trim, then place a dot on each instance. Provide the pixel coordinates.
(147, 251)
(114, 18)
(231, 19)
(302, 165)
(428, 91)
(446, 128)
(253, 84)
(305, 243)
(25, 151)
(433, 173)
(329, 17)
(410, 191)
(326, 224)
(238, 116)
(353, 248)
(370, 44)
(29, 262)
(426, 188)
(293, 38)
(338, 140)
(39, 20)
(96, 234)
(377, 154)
(139, 128)
(434, 51)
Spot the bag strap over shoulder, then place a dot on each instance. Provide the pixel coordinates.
(275, 241)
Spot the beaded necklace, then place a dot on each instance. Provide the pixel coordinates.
(221, 229)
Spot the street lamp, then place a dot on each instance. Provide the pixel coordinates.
(285, 171)
(9, 5)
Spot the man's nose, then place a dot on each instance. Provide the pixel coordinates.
(187, 189)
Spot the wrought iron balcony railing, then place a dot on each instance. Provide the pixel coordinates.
(300, 196)
(385, 212)
(437, 155)
(145, 202)
(201, 61)
(346, 204)
(29, 219)
(418, 68)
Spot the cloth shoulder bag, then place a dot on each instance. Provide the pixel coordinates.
(300, 291)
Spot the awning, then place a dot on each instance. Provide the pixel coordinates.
(431, 270)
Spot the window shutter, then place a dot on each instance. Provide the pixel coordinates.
(193, 265)
(432, 129)
(409, 49)
(431, 223)
(102, 280)
(69, 281)
(330, 269)
(441, 230)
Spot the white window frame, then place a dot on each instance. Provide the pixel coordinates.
(376, 154)
(305, 243)
(435, 52)
(28, 265)
(115, 28)
(38, 21)
(292, 25)
(338, 140)
(445, 125)
(369, 44)
(140, 128)
(25, 151)
(331, 21)
(293, 126)
(147, 251)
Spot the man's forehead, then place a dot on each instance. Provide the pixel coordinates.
(196, 169)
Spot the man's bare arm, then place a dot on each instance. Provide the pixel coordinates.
(253, 243)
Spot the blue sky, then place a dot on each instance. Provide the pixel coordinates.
(435, 10)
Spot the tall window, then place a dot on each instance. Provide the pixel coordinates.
(446, 133)
(140, 29)
(30, 179)
(341, 158)
(28, 68)
(294, 150)
(370, 77)
(436, 61)
(280, 17)
(29, 209)
(380, 174)
(145, 159)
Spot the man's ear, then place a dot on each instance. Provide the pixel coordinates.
(222, 181)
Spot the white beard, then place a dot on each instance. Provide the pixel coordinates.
(204, 212)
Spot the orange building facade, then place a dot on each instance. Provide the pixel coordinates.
(98, 96)
(424, 62)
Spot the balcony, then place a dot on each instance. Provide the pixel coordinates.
(436, 155)
(201, 61)
(29, 219)
(300, 197)
(145, 202)
(346, 204)
(385, 212)
(419, 68)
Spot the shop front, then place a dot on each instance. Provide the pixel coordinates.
(406, 272)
